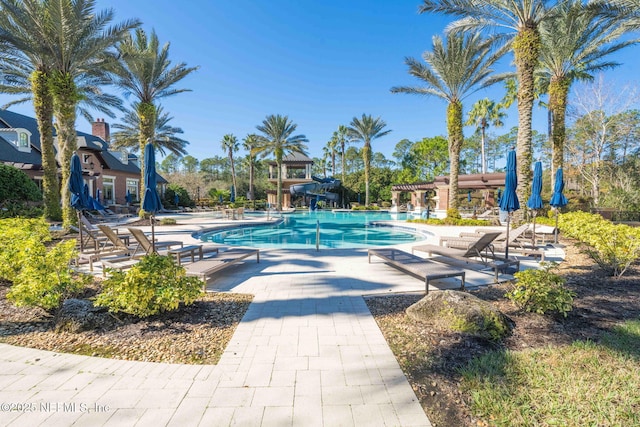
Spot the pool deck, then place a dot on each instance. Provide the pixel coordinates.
(306, 353)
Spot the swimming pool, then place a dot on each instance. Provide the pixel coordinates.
(337, 230)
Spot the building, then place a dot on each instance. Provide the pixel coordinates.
(296, 169)
(109, 174)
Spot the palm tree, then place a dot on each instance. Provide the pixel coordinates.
(452, 73)
(230, 144)
(483, 114)
(575, 43)
(250, 143)
(78, 39)
(26, 62)
(521, 20)
(146, 73)
(164, 139)
(277, 138)
(342, 136)
(332, 146)
(367, 129)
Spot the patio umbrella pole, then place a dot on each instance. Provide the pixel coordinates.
(153, 235)
(533, 238)
(80, 231)
(555, 232)
(506, 248)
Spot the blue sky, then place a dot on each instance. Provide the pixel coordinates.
(319, 62)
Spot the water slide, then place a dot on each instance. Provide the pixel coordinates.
(317, 190)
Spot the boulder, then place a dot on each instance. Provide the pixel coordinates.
(461, 312)
(77, 315)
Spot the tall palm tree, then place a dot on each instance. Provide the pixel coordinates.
(342, 136)
(367, 129)
(332, 146)
(250, 143)
(483, 114)
(145, 72)
(519, 20)
(164, 139)
(576, 42)
(231, 145)
(453, 72)
(79, 40)
(277, 138)
(25, 54)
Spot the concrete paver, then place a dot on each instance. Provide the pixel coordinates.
(307, 352)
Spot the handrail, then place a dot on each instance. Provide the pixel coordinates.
(317, 235)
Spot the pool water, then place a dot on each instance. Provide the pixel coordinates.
(337, 230)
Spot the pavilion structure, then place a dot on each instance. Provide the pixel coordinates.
(434, 195)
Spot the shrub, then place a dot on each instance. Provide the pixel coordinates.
(18, 236)
(168, 221)
(541, 291)
(614, 247)
(44, 278)
(16, 185)
(365, 208)
(154, 285)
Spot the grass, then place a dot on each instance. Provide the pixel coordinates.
(583, 384)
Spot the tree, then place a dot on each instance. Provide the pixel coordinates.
(453, 72)
(520, 20)
(367, 129)
(145, 72)
(80, 40)
(332, 146)
(576, 40)
(342, 137)
(170, 164)
(164, 135)
(231, 145)
(31, 33)
(190, 164)
(250, 142)
(277, 138)
(483, 114)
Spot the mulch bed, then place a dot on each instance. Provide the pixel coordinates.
(600, 303)
(196, 334)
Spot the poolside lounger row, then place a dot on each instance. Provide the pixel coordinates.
(416, 266)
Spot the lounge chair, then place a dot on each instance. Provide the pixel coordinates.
(416, 266)
(517, 243)
(478, 248)
(207, 267)
(145, 243)
(116, 249)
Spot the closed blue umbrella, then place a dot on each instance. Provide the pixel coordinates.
(232, 197)
(509, 201)
(128, 197)
(558, 200)
(98, 194)
(499, 194)
(535, 200)
(76, 188)
(469, 196)
(150, 200)
(176, 199)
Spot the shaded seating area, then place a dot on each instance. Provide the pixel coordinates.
(418, 267)
(205, 268)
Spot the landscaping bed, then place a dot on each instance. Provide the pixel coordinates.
(195, 334)
(432, 358)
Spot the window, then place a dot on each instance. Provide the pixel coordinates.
(107, 189)
(23, 141)
(132, 188)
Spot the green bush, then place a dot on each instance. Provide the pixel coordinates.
(16, 185)
(44, 278)
(365, 208)
(614, 247)
(461, 221)
(541, 291)
(168, 221)
(18, 236)
(154, 285)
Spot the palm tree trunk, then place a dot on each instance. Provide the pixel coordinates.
(279, 186)
(147, 115)
(558, 94)
(65, 98)
(233, 172)
(251, 192)
(43, 105)
(456, 137)
(526, 48)
(366, 155)
(482, 155)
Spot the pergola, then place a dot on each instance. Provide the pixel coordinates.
(439, 187)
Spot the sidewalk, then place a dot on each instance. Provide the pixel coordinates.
(307, 353)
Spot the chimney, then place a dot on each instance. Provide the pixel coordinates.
(101, 129)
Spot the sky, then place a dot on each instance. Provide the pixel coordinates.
(321, 63)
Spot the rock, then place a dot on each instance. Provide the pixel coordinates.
(77, 315)
(461, 312)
